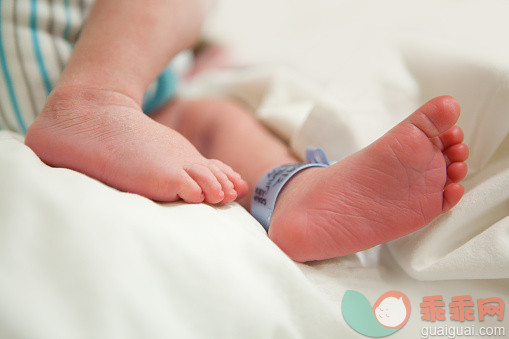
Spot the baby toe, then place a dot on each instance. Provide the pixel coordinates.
(208, 183)
(452, 136)
(226, 185)
(452, 195)
(189, 190)
(436, 116)
(457, 171)
(456, 153)
(240, 186)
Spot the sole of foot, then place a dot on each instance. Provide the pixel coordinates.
(391, 188)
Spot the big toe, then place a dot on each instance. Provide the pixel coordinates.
(188, 190)
(436, 116)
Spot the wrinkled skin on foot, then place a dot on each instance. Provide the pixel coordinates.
(393, 187)
(106, 136)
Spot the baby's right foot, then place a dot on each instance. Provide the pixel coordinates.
(105, 135)
(393, 187)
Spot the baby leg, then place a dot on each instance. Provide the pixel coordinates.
(93, 123)
(393, 187)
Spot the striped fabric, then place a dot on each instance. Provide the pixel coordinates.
(36, 40)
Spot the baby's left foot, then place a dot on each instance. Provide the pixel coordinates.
(393, 187)
(105, 135)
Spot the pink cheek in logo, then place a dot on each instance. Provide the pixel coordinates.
(400, 305)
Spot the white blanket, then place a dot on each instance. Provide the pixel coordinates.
(81, 260)
(373, 64)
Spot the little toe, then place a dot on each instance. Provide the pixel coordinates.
(456, 153)
(226, 185)
(457, 171)
(436, 116)
(452, 136)
(452, 195)
(190, 191)
(208, 183)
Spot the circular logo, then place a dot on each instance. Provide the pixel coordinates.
(389, 313)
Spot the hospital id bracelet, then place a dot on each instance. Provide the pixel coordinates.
(269, 186)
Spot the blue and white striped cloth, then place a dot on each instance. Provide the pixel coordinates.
(36, 40)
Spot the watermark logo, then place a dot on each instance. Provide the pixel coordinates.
(461, 308)
(389, 313)
(462, 311)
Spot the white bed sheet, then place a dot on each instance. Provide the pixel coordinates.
(79, 259)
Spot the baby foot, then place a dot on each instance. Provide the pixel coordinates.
(393, 187)
(105, 135)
